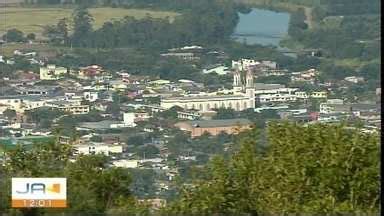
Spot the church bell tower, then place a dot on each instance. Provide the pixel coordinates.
(237, 84)
(250, 88)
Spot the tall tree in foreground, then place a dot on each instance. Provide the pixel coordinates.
(306, 169)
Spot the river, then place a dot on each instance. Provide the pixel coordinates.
(264, 27)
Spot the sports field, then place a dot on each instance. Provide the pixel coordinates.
(31, 20)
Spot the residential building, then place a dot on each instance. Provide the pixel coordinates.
(36, 90)
(22, 103)
(214, 127)
(304, 76)
(124, 163)
(74, 107)
(90, 96)
(97, 148)
(275, 72)
(187, 56)
(244, 64)
(267, 93)
(333, 106)
(51, 72)
(301, 95)
(91, 72)
(279, 98)
(129, 119)
(319, 94)
(100, 125)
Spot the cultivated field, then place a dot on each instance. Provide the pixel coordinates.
(31, 20)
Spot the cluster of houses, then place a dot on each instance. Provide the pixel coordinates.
(92, 87)
(140, 98)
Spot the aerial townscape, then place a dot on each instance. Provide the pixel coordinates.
(193, 107)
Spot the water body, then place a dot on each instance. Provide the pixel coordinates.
(264, 27)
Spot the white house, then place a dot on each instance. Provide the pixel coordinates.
(23, 103)
(91, 96)
(301, 95)
(319, 94)
(266, 93)
(51, 72)
(126, 163)
(73, 106)
(332, 106)
(267, 98)
(129, 119)
(244, 64)
(97, 148)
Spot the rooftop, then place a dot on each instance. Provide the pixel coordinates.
(218, 122)
(211, 97)
(263, 86)
(106, 124)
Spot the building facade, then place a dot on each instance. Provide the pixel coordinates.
(214, 127)
(51, 72)
(242, 97)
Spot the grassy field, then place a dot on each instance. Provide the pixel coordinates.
(9, 48)
(31, 20)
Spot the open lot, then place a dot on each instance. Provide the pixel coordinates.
(31, 20)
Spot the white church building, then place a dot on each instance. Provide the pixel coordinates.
(241, 97)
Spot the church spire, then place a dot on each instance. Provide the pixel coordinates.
(249, 79)
(236, 78)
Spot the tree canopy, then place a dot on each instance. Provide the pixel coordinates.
(307, 169)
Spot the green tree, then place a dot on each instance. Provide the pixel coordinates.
(31, 36)
(149, 151)
(82, 29)
(225, 113)
(10, 114)
(96, 139)
(14, 35)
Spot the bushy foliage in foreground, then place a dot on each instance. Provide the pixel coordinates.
(306, 169)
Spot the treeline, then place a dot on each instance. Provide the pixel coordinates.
(205, 22)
